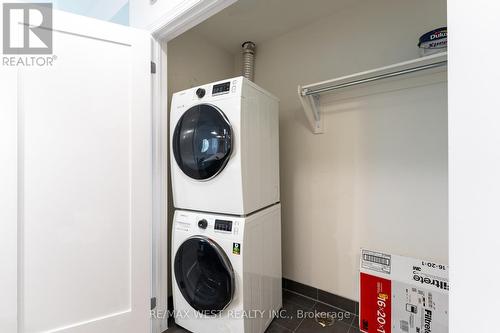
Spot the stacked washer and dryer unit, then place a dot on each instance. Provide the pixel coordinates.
(226, 249)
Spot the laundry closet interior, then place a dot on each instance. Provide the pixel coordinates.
(374, 172)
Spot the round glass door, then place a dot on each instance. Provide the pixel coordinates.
(204, 275)
(202, 142)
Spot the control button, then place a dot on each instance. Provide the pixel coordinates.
(203, 224)
(200, 92)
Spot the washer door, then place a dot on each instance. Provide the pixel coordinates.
(202, 142)
(204, 275)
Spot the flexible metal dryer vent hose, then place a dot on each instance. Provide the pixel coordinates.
(248, 60)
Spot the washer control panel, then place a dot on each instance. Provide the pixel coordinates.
(223, 225)
(209, 225)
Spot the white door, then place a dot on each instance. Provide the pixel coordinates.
(76, 184)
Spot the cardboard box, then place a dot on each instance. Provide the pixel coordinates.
(402, 295)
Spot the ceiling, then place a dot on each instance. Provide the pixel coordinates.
(261, 20)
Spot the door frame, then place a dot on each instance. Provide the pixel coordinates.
(176, 22)
(159, 230)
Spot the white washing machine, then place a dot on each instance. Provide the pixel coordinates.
(225, 148)
(226, 271)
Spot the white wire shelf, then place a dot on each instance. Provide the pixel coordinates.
(310, 94)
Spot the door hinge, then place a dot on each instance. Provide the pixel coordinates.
(153, 68)
(153, 303)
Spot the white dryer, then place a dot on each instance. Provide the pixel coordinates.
(225, 148)
(226, 271)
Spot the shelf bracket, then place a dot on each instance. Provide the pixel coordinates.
(311, 106)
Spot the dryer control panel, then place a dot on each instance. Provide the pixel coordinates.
(221, 88)
(223, 225)
(212, 92)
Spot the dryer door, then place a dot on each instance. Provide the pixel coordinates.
(204, 275)
(202, 141)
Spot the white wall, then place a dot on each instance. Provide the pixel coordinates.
(474, 166)
(156, 14)
(378, 177)
(193, 61)
(146, 13)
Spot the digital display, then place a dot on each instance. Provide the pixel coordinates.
(221, 88)
(223, 225)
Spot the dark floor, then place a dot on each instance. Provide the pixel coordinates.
(292, 303)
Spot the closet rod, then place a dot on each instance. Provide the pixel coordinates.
(309, 92)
